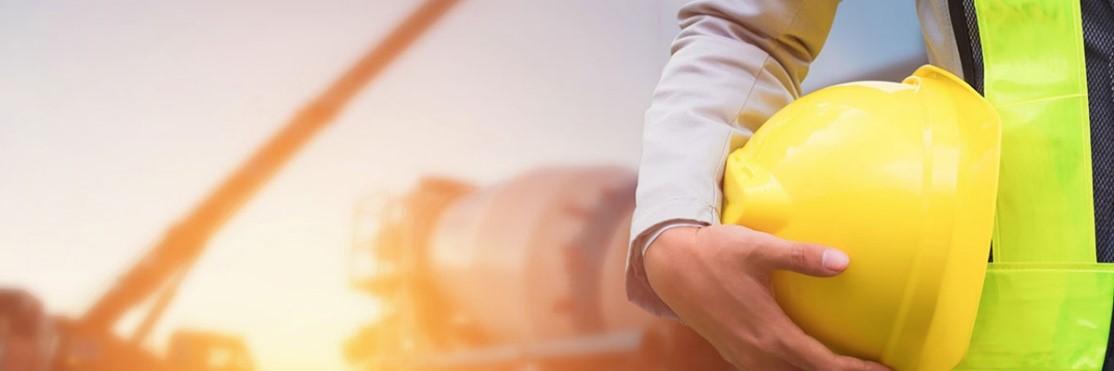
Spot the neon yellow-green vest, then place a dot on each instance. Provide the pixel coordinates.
(1046, 302)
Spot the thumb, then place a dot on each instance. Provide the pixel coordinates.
(805, 258)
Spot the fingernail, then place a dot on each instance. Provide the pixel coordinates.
(834, 260)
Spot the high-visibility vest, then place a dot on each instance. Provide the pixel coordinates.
(1046, 302)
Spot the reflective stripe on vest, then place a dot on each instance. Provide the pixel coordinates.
(1046, 303)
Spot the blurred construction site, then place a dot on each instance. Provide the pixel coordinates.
(296, 185)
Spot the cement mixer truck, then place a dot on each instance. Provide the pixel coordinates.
(527, 274)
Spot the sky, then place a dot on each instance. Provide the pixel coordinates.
(116, 117)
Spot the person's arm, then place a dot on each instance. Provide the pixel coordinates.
(735, 63)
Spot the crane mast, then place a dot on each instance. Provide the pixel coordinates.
(164, 265)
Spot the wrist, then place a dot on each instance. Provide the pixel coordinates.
(665, 250)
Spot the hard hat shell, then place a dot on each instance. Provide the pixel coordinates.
(901, 177)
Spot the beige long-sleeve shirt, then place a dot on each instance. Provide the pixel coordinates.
(734, 64)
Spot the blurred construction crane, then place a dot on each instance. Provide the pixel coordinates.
(29, 341)
(522, 275)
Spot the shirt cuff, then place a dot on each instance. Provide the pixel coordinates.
(670, 224)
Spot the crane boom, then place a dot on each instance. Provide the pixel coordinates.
(185, 241)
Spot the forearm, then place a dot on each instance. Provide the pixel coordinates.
(734, 64)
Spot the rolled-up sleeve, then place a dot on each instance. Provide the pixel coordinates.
(734, 64)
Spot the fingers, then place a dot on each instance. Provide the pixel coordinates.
(739, 315)
(806, 258)
(808, 353)
(852, 363)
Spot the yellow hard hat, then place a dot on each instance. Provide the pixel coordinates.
(903, 178)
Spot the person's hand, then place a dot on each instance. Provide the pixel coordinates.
(717, 280)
